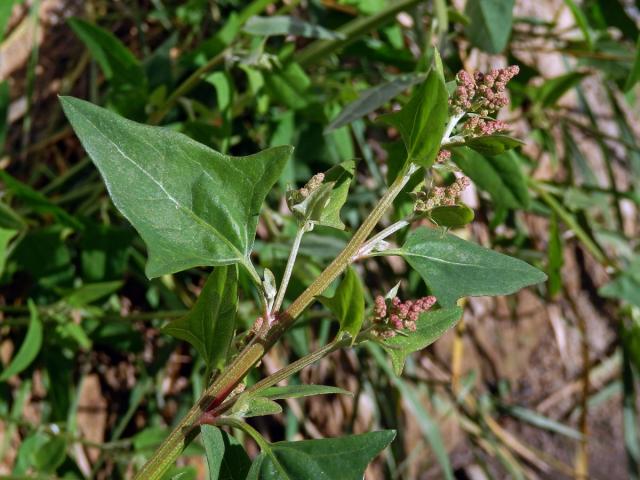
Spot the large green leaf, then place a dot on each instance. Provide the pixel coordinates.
(422, 121)
(192, 205)
(490, 25)
(344, 458)
(209, 325)
(29, 348)
(454, 268)
(226, 458)
(348, 303)
(430, 326)
(500, 176)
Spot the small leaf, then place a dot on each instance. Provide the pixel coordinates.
(626, 285)
(250, 405)
(209, 325)
(269, 284)
(297, 391)
(500, 176)
(49, 453)
(451, 216)
(493, 144)
(422, 121)
(312, 207)
(90, 292)
(348, 303)
(344, 458)
(341, 176)
(226, 458)
(490, 26)
(5, 237)
(454, 268)
(29, 349)
(192, 205)
(285, 25)
(430, 326)
(372, 99)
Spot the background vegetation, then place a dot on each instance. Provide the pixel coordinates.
(542, 384)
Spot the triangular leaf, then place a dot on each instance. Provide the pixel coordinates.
(341, 176)
(192, 205)
(209, 325)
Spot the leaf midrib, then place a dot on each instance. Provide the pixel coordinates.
(406, 253)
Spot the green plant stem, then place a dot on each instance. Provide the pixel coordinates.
(370, 244)
(245, 427)
(289, 268)
(219, 390)
(352, 31)
(293, 368)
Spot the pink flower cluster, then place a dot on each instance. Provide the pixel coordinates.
(477, 126)
(482, 93)
(398, 315)
(443, 156)
(438, 196)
